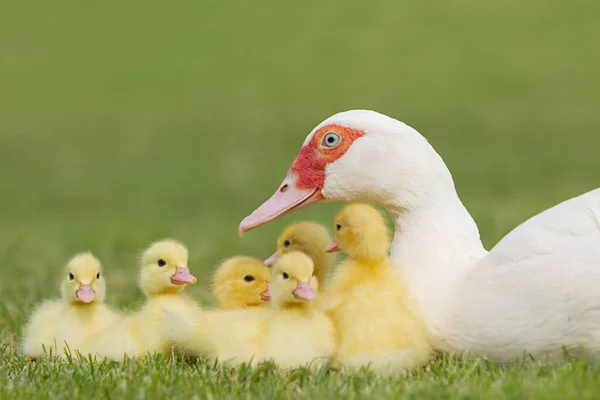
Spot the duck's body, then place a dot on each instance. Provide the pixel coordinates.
(58, 327)
(310, 331)
(138, 333)
(290, 332)
(383, 329)
(377, 321)
(551, 266)
(536, 291)
(164, 274)
(230, 336)
(62, 326)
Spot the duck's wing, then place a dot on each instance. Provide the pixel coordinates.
(555, 232)
(538, 289)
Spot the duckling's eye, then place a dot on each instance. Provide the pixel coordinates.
(287, 243)
(338, 227)
(331, 140)
(161, 263)
(98, 275)
(71, 276)
(285, 275)
(248, 278)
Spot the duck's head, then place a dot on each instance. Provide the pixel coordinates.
(83, 281)
(164, 268)
(292, 280)
(309, 238)
(358, 155)
(241, 282)
(360, 231)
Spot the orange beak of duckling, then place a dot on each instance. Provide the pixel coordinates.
(271, 260)
(182, 276)
(304, 291)
(266, 295)
(85, 293)
(332, 247)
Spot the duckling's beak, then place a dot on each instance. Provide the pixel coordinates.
(182, 276)
(304, 291)
(266, 295)
(271, 260)
(85, 293)
(332, 247)
(288, 197)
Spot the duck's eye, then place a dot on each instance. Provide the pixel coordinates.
(71, 276)
(161, 263)
(331, 140)
(248, 278)
(338, 227)
(98, 275)
(287, 243)
(285, 275)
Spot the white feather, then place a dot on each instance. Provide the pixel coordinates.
(536, 291)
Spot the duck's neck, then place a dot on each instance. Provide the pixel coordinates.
(434, 244)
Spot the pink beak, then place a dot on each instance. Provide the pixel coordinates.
(85, 293)
(304, 291)
(271, 260)
(266, 295)
(332, 247)
(286, 199)
(182, 276)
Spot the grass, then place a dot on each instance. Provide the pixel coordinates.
(125, 122)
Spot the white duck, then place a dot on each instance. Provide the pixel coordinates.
(536, 291)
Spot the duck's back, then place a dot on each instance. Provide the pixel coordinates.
(537, 289)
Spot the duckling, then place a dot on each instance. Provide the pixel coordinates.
(163, 276)
(309, 238)
(377, 321)
(290, 332)
(298, 334)
(80, 313)
(241, 282)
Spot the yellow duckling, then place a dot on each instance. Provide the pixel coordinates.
(291, 332)
(377, 322)
(79, 313)
(241, 282)
(164, 274)
(309, 238)
(298, 334)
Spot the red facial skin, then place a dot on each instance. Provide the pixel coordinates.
(305, 178)
(309, 165)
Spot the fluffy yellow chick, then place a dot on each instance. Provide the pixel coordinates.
(79, 313)
(241, 282)
(164, 274)
(377, 322)
(309, 238)
(291, 332)
(298, 333)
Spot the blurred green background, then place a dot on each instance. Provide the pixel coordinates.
(125, 122)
